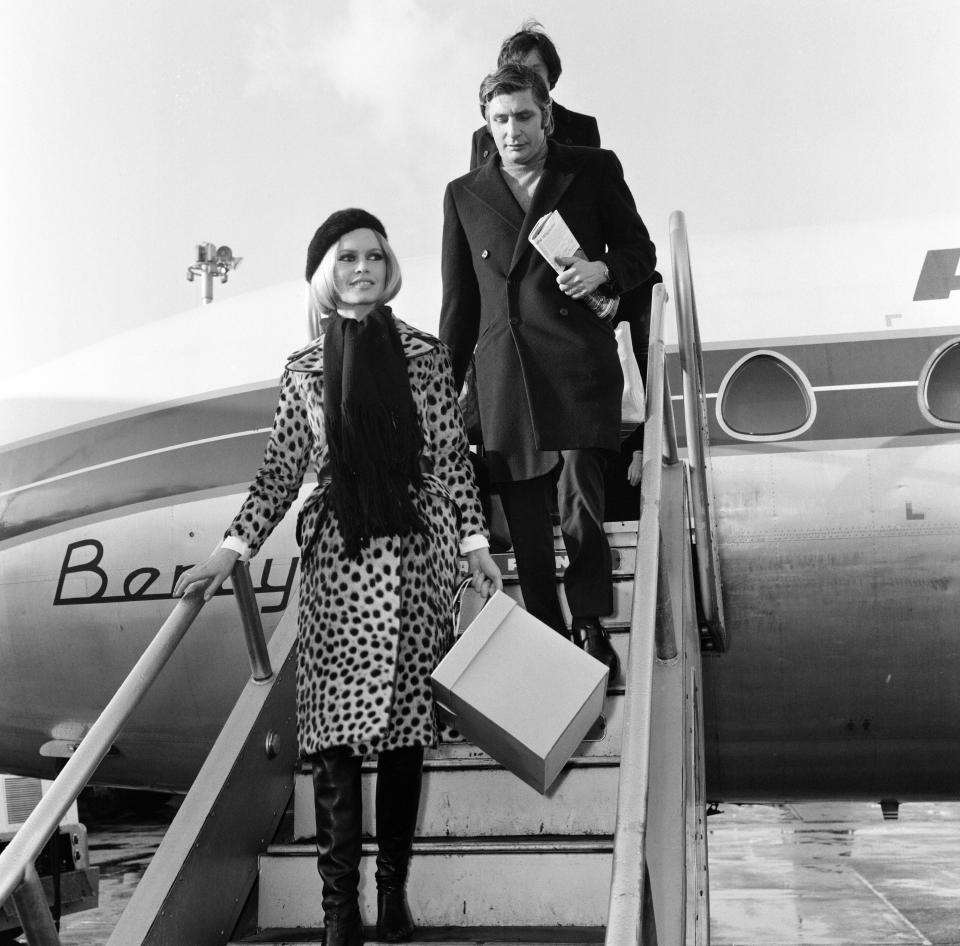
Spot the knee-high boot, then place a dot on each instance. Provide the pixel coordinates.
(339, 804)
(399, 776)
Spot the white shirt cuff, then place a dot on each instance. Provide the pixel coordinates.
(473, 542)
(237, 545)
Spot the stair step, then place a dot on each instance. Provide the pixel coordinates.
(622, 537)
(457, 883)
(622, 603)
(446, 936)
(622, 561)
(484, 800)
(601, 745)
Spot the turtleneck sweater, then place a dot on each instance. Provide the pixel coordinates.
(522, 179)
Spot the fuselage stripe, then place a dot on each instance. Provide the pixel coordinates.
(833, 387)
(135, 456)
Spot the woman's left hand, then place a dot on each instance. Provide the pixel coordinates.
(484, 572)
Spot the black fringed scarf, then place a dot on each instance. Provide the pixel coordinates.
(373, 433)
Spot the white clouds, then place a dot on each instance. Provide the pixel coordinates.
(159, 125)
(279, 49)
(373, 58)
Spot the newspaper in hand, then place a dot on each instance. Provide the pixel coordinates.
(552, 239)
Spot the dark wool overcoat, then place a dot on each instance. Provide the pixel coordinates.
(548, 375)
(372, 631)
(569, 128)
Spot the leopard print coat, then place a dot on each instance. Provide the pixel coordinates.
(370, 632)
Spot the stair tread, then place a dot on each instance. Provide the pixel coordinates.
(459, 763)
(451, 936)
(530, 844)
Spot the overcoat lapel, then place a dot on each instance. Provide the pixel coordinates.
(558, 175)
(491, 189)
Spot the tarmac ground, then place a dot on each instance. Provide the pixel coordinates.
(835, 873)
(780, 875)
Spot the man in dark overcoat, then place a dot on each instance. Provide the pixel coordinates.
(548, 376)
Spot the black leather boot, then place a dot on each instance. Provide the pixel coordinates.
(399, 776)
(339, 805)
(596, 642)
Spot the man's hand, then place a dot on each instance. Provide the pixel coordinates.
(580, 276)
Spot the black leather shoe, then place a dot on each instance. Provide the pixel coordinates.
(343, 927)
(596, 642)
(394, 922)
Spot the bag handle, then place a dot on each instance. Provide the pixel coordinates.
(456, 611)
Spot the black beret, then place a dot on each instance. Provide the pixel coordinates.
(334, 227)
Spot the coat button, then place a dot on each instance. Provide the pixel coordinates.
(514, 320)
(486, 151)
(564, 311)
(484, 254)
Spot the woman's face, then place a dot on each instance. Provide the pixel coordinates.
(360, 270)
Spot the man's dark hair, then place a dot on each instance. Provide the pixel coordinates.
(516, 78)
(531, 37)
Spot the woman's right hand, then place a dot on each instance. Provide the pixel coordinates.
(484, 571)
(210, 575)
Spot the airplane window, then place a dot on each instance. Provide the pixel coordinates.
(939, 388)
(765, 396)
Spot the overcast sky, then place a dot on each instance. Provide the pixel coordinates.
(132, 131)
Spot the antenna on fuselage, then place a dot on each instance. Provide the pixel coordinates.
(212, 261)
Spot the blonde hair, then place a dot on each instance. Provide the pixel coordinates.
(322, 296)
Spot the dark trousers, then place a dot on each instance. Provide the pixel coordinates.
(588, 579)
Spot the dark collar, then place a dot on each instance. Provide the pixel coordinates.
(309, 359)
(487, 185)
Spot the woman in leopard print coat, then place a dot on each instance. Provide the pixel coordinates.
(379, 560)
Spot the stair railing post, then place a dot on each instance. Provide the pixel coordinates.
(666, 634)
(670, 455)
(30, 902)
(252, 625)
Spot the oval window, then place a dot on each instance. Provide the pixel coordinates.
(939, 388)
(765, 396)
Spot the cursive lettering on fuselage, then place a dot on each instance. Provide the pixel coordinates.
(84, 559)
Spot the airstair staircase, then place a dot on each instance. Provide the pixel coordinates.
(614, 853)
(493, 858)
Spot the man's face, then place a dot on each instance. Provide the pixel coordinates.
(533, 60)
(516, 124)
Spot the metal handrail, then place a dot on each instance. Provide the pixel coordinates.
(17, 859)
(629, 848)
(697, 428)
